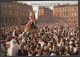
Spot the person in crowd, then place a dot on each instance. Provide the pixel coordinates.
(13, 49)
(49, 40)
(3, 49)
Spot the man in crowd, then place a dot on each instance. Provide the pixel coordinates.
(49, 40)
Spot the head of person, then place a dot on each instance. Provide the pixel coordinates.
(67, 48)
(3, 43)
(44, 53)
(8, 44)
(38, 45)
(49, 44)
(40, 40)
(76, 42)
(67, 54)
(31, 16)
(53, 54)
(39, 52)
(28, 47)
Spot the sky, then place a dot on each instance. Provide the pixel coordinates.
(50, 4)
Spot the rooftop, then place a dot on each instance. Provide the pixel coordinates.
(66, 5)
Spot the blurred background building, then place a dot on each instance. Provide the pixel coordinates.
(9, 11)
(45, 16)
(67, 11)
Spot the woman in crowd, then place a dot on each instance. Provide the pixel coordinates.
(50, 40)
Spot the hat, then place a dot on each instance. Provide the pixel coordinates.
(8, 42)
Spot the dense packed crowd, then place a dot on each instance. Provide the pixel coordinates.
(50, 40)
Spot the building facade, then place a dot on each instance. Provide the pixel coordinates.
(9, 11)
(66, 11)
(41, 11)
(45, 15)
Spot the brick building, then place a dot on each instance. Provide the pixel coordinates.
(9, 11)
(45, 16)
(41, 11)
(66, 11)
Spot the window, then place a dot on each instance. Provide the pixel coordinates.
(2, 20)
(61, 10)
(61, 14)
(71, 9)
(64, 9)
(64, 14)
(75, 9)
(74, 19)
(10, 11)
(17, 7)
(55, 10)
(71, 14)
(14, 7)
(67, 14)
(58, 10)
(41, 11)
(75, 14)
(17, 12)
(6, 20)
(1, 4)
(10, 6)
(68, 9)
(5, 5)
(23, 13)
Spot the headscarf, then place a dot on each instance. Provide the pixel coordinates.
(13, 49)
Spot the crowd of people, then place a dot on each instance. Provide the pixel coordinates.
(50, 40)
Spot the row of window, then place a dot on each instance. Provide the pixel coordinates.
(12, 20)
(6, 5)
(65, 9)
(11, 12)
(67, 14)
(6, 20)
(41, 11)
